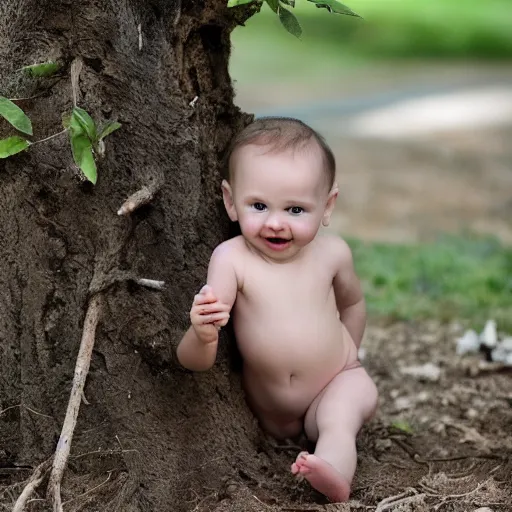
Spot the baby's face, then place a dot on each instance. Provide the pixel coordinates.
(279, 199)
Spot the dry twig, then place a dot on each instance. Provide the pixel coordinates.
(81, 369)
(136, 200)
(76, 68)
(151, 283)
(399, 499)
(33, 482)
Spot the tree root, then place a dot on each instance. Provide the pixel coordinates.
(81, 369)
(136, 200)
(400, 499)
(32, 484)
(151, 283)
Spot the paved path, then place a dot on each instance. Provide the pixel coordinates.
(408, 113)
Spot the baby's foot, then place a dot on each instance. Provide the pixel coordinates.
(322, 476)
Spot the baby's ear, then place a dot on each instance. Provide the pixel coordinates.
(227, 196)
(329, 206)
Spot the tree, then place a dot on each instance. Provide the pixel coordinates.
(148, 432)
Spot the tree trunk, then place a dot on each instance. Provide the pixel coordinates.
(152, 434)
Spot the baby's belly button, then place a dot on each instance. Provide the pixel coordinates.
(294, 391)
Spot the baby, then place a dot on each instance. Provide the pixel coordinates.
(299, 313)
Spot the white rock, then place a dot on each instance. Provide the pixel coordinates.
(361, 354)
(498, 355)
(427, 371)
(471, 413)
(489, 336)
(506, 344)
(403, 403)
(502, 353)
(423, 396)
(470, 342)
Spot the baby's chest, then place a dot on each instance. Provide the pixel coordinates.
(280, 288)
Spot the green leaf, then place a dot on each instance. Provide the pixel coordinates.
(235, 3)
(291, 3)
(273, 4)
(12, 145)
(82, 155)
(14, 115)
(44, 69)
(403, 426)
(80, 116)
(110, 126)
(72, 124)
(334, 6)
(289, 22)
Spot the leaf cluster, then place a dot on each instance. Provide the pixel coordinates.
(85, 136)
(288, 19)
(86, 140)
(15, 116)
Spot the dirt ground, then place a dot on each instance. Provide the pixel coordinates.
(434, 445)
(412, 190)
(439, 444)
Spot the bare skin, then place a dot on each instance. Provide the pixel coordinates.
(298, 313)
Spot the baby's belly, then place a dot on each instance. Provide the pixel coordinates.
(285, 368)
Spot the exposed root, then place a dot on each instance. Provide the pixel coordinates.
(392, 501)
(151, 283)
(32, 484)
(81, 369)
(96, 487)
(136, 200)
(76, 68)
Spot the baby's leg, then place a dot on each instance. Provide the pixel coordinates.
(281, 428)
(333, 421)
(277, 425)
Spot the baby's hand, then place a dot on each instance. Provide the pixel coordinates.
(208, 315)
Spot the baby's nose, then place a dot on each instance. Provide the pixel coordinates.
(274, 221)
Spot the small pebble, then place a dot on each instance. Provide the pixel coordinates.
(471, 414)
(428, 371)
(470, 342)
(489, 336)
(403, 403)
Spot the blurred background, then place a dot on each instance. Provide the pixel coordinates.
(416, 101)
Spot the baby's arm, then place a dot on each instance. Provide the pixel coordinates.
(348, 292)
(210, 311)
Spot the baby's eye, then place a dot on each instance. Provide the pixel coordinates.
(296, 210)
(259, 206)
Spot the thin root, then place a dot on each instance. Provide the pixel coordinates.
(136, 200)
(399, 499)
(81, 369)
(151, 283)
(32, 484)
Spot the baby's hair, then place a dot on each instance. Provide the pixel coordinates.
(282, 134)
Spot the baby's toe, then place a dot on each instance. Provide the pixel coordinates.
(300, 461)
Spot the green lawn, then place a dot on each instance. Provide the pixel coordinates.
(462, 278)
(414, 28)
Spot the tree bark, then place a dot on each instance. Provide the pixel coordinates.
(158, 432)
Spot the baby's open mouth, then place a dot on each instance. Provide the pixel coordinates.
(277, 240)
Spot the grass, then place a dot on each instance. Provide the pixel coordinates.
(463, 278)
(394, 28)
(413, 28)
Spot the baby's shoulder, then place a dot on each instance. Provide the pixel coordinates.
(230, 249)
(332, 246)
